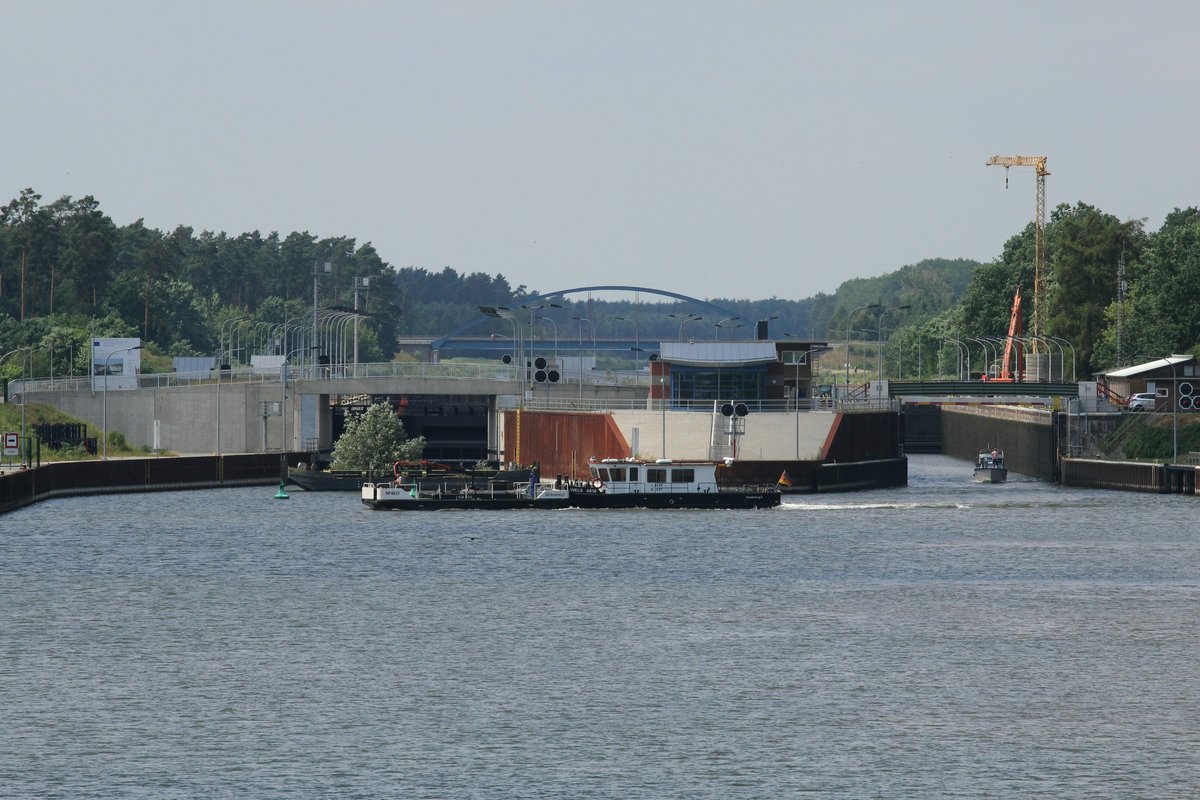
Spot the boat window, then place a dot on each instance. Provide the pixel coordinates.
(656, 475)
(633, 473)
(683, 476)
(602, 474)
(617, 474)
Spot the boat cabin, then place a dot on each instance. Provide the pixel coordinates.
(990, 459)
(630, 476)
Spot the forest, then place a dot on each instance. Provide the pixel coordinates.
(1116, 292)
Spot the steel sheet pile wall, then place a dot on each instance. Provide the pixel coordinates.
(865, 436)
(1132, 476)
(1026, 435)
(61, 479)
(561, 442)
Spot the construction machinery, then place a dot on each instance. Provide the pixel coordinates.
(1039, 236)
(1016, 359)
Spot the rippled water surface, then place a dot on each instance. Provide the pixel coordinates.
(941, 640)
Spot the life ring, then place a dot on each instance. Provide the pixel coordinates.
(598, 484)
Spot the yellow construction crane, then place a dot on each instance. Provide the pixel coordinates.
(1039, 235)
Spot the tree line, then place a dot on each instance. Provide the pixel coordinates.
(68, 272)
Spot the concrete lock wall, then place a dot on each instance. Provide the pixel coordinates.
(187, 416)
(1026, 435)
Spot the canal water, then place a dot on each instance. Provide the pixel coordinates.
(946, 639)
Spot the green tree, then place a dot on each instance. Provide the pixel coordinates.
(1088, 246)
(1164, 307)
(374, 440)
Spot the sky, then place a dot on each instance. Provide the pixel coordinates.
(741, 150)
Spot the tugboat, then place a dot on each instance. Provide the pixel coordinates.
(615, 483)
(989, 467)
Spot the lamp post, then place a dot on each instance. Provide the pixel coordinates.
(796, 397)
(318, 269)
(719, 323)
(958, 354)
(359, 283)
(637, 339)
(284, 377)
(23, 391)
(662, 401)
(1060, 341)
(500, 312)
(1174, 410)
(555, 325)
(582, 320)
(220, 363)
(849, 318)
(104, 397)
(532, 317)
(684, 320)
(882, 314)
(987, 354)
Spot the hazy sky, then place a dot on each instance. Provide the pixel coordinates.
(720, 149)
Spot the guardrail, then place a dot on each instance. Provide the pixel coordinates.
(601, 404)
(982, 389)
(308, 372)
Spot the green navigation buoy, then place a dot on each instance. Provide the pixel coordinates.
(282, 493)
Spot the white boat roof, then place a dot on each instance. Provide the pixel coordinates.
(705, 354)
(660, 462)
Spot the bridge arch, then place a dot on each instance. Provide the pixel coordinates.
(440, 342)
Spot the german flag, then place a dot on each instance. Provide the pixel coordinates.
(784, 480)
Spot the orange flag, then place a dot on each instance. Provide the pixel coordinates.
(784, 480)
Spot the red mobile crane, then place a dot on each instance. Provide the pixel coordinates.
(1014, 337)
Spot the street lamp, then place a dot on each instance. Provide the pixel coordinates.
(220, 363)
(359, 283)
(104, 397)
(637, 339)
(1174, 410)
(532, 316)
(582, 320)
(500, 312)
(555, 325)
(283, 368)
(797, 360)
(958, 354)
(662, 401)
(849, 318)
(684, 320)
(720, 323)
(882, 314)
(24, 390)
(1059, 340)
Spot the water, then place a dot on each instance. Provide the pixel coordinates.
(942, 640)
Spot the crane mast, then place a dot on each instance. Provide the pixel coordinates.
(1039, 237)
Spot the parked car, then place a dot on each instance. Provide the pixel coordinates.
(1144, 401)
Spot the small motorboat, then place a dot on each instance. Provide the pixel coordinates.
(989, 468)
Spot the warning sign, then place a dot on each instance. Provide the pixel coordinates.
(12, 444)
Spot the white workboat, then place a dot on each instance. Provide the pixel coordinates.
(990, 468)
(613, 483)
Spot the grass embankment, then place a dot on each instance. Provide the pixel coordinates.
(1162, 434)
(39, 414)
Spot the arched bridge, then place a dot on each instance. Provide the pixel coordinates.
(440, 342)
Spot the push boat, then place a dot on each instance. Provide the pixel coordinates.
(614, 483)
(989, 467)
